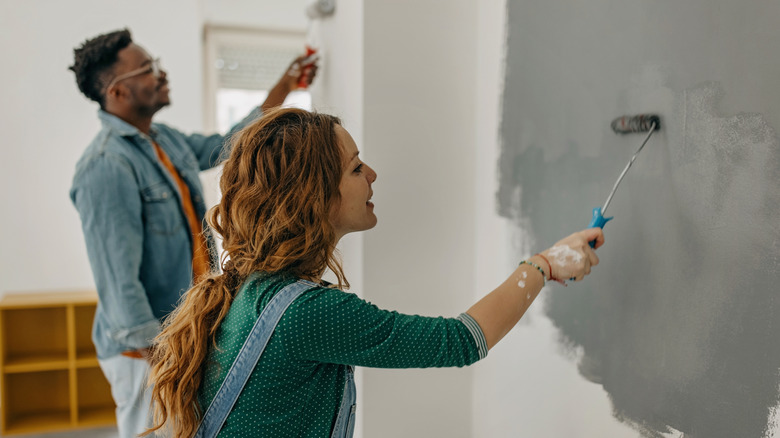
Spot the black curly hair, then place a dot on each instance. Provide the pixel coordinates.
(95, 59)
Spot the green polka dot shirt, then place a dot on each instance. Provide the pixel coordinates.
(296, 388)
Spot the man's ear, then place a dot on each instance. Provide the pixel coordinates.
(115, 93)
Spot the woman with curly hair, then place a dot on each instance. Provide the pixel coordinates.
(267, 348)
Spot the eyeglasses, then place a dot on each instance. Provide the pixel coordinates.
(153, 68)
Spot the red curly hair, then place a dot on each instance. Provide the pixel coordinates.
(278, 186)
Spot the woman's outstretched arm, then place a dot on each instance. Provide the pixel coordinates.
(501, 309)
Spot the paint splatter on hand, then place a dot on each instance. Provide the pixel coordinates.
(572, 257)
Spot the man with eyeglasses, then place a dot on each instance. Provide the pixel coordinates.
(141, 204)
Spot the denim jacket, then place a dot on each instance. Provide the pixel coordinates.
(138, 240)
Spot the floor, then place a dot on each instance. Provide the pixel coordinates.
(103, 432)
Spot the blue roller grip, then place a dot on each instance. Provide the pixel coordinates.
(597, 221)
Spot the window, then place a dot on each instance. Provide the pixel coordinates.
(241, 66)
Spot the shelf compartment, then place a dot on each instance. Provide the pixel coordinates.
(37, 401)
(36, 362)
(95, 404)
(37, 422)
(47, 360)
(33, 336)
(87, 361)
(97, 416)
(83, 316)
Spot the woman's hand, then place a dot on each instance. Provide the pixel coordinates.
(572, 257)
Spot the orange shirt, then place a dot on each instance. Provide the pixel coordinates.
(200, 252)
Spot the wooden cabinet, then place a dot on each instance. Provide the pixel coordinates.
(51, 380)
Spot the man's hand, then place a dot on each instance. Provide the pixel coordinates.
(301, 71)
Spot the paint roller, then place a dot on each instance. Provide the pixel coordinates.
(625, 125)
(317, 10)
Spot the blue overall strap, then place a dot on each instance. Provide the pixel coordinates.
(247, 359)
(345, 420)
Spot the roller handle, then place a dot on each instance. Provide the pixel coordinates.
(598, 220)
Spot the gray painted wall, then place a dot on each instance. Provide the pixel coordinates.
(680, 322)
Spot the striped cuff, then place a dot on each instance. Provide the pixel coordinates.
(476, 333)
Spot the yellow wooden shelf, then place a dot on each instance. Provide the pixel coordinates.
(50, 378)
(60, 421)
(40, 300)
(40, 362)
(97, 416)
(37, 422)
(87, 362)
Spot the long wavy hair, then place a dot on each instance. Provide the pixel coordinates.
(278, 185)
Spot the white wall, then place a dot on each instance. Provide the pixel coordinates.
(47, 123)
(419, 112)
(410, 82)
(418, 85)
(265, 14)
(339, 91)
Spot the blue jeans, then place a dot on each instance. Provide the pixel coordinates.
(345, 420)
(127, 377)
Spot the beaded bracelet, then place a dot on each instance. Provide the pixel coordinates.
(541, 271)
(549, 266)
